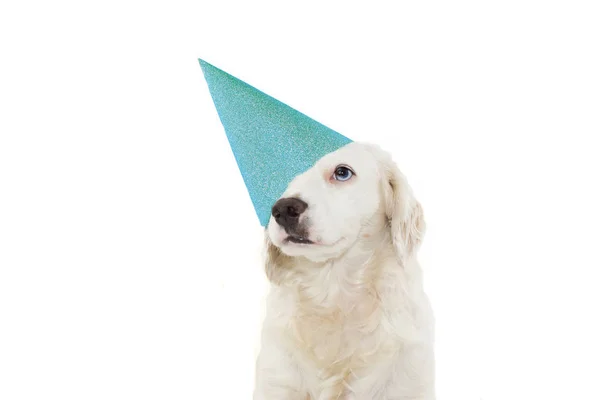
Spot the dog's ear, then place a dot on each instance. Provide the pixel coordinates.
(404, 212)
(277, 264)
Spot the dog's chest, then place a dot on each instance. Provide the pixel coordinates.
(337, 336)
(333, 333)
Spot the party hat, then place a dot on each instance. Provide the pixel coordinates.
(272, 143)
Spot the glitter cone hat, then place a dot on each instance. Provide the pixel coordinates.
(272, 143)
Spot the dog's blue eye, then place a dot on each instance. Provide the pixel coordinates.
(342, 173)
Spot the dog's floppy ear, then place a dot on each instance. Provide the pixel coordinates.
(404, 212)
(277, 264)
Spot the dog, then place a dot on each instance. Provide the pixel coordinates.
(347, 317)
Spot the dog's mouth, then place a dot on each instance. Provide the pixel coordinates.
(297, 240)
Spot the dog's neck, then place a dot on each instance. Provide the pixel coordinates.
(356, 271)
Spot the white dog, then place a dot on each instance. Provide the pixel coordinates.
(347, 317)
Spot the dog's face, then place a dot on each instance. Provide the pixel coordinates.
(324, 210)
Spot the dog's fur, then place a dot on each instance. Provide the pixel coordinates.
(347, 317)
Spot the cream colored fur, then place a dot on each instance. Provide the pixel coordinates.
(347, 317)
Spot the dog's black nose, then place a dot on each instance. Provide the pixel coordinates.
(287, 211)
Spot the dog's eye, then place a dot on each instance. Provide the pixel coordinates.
(342, 173)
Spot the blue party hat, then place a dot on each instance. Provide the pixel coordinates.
(272, 143)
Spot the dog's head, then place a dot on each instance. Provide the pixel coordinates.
(339, 202)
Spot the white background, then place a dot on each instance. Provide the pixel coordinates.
(130, 251)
